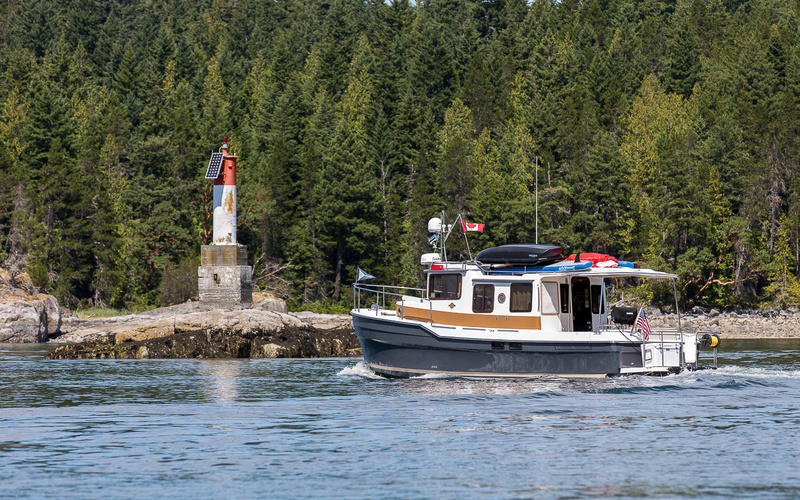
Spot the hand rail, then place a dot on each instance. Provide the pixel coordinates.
(381, 291)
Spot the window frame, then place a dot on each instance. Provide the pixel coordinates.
(485, 286)
(555, 305)
(600, 306)
(529, 289)
(564, 298)
(431, 277)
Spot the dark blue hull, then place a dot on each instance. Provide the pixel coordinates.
(407, 349)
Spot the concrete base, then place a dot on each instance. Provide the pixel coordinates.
(224, 278)
(223, 255)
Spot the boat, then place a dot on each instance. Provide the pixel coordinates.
(517, 311)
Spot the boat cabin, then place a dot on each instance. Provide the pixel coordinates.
(463, 295)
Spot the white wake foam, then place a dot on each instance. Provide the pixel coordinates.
(756, 372)
(360, 369)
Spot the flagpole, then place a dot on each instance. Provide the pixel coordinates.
(636, 320)
(466, 240)
(644, 360)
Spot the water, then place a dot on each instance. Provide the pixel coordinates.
(330, 428)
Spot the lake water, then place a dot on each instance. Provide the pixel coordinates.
(330, 428)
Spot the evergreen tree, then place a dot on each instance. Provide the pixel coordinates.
(345, 192)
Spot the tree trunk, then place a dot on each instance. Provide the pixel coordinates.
(337, 285)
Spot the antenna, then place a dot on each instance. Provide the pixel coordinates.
(537, 200)
(443, 238)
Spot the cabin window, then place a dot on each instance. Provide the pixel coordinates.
(483, 298)
(564, 298)
(596, 300)
(549, 297)
(444, 287)
(521, 297)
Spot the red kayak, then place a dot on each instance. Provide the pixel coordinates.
(597, 259)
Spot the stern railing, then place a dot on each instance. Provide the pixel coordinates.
(660, 337)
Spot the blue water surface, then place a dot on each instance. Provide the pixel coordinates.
(330, 428)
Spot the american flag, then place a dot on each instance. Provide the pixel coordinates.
(641, 322)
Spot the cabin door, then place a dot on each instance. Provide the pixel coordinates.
(581, 305)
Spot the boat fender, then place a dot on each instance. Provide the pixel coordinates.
(709, 340)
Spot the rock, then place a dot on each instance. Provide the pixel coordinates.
(269, 303)
(269, 350)
(324, 321)
(25, 314)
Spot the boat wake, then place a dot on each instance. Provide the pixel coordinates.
(751, 372)
(360, 369)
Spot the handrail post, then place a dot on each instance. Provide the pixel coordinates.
(644, 348)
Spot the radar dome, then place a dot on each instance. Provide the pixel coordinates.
(435, 225)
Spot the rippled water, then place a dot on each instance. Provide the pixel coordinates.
(331, 428)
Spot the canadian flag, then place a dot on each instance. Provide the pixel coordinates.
(472, 227)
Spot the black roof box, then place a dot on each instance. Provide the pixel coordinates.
(522, 253)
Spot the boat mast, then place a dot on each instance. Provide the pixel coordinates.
(444, 233)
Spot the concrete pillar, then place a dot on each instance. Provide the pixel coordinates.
(224, 278)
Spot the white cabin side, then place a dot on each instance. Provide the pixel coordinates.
(463, 296)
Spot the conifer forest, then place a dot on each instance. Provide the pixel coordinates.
(665, 132)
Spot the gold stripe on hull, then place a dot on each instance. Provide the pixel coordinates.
(474, 320)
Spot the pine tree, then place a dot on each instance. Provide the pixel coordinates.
(345, 192)
(455, 142)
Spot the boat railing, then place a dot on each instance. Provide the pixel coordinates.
(381, 293)
(662, 338)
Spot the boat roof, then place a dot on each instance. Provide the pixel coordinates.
(623, 272)
(611, 272)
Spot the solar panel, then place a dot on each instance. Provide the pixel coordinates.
(214, 165)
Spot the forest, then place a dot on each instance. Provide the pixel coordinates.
(663, 132)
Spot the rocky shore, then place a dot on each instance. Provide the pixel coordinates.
(739, 324)
(193, 330)
(190, 330)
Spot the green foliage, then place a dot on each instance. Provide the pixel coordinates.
(107, 312)
(179, 282)
(321, 307)
(663, 132)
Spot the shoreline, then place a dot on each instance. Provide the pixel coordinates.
(741, 324)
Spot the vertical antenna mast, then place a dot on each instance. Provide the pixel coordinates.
(537, 200)
(443, 238)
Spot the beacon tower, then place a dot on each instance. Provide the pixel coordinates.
(224, 278)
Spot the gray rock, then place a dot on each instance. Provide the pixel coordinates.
(25, 314)
(272, 304)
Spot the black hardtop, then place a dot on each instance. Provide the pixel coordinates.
(520, 253)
